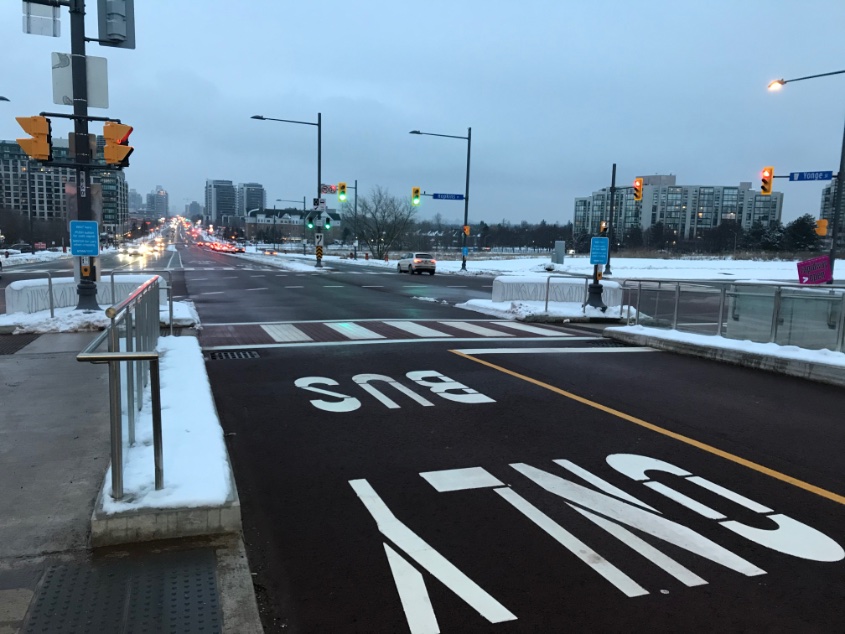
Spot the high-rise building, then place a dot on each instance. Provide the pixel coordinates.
(136, 201)
(220, 199)
(193, 210)
(826, 212)
(161, 203)
(250, 196)
(52, 188)
(686, 211)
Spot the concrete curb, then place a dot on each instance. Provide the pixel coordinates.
(149, 524)
(819, 372)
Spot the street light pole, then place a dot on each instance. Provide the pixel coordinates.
(468, 139)
(319, 125)
(840, 176)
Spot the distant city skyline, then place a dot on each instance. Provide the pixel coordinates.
(555, 94)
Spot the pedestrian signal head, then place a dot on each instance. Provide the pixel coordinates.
(40, 146)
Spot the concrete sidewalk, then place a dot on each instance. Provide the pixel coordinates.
(54, 451)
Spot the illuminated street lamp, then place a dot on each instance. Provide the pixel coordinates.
(840, 176)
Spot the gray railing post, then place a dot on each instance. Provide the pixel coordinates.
(115, 416)
(677, 301)
(775, 315)
(155, 389)
(840, 343)
(722, 295)
(639, 294)
(50, 292)
(130, 378)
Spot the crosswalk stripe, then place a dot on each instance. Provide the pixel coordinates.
(478, 330)
(285, 332)
(354, 331)
(416, 329)
(526, 328)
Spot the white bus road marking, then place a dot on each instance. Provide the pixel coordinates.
(475, 329)
(415, 600)
(354, 331)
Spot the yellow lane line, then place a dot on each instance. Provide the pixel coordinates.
(660, 430)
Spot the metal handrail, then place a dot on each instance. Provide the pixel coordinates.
(549, 281)
(141, 362)
(169, 287)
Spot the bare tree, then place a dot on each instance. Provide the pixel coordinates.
(381, 220)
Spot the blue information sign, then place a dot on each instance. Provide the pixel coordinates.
(810, 176)
(447, 196)
(599, 248)
(85, 238)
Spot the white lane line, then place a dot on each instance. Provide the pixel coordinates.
(258, 276)
(372, 286)
(546, 332)
(256, 289)
(487, 286)
(415, 286)
(293, 287)
(231, 277)
(623, 582)
(198, 279)
(332, 286)
(456, 287)
(285, 332)
(475, 351)
(417, 329)
(412, 593)
(475, 329)
(213, 293)
(354, 331)
(461, 479)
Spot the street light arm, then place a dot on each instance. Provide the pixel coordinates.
(780, 82)
(448, 136)
(258, 116)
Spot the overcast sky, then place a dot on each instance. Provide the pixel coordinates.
(555, 93)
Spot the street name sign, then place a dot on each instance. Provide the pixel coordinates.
(84, 238)
(815, 270)
(447, 196)
(810, 176)
(599, 249)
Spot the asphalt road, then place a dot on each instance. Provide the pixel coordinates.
(405, 465)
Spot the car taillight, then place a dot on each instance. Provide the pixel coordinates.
(417, 260)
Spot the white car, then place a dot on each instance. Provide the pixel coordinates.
(416, 262)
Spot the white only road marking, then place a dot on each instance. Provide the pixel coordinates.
(256, 289)
(623, 582)
(354, 331)
(478, 330)
(477, 351)
(461, 479)
(428, 558)
(546, 332)
(416, 329)
(285, 332)
(415, 600)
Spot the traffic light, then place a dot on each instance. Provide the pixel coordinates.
(766, 177)
(40, 146)
(309, 222)
(415, 196)
(328, 222)
(603, 227)
(466, 230)
(638, 189)
(821, 227)
(341, 192)
(117, 150)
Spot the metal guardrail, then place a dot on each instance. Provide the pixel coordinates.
(134, 344)
(835, 298)
(568, 277)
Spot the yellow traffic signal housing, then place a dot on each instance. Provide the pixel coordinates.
(638, 189)
(766, 177)
(341, 192)
(40, 146)
(415, 196)
(821, 227)
(603, 226)
(117, 150)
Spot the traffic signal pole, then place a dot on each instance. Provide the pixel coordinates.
(837, 206)
(87, 287)
(610, 220)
